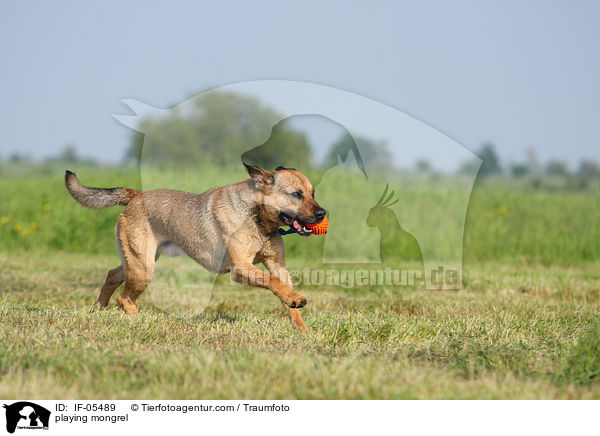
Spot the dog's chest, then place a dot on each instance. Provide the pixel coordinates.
(170, 249)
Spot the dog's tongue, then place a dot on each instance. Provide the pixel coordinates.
(296, 225)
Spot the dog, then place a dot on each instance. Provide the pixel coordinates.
(225, 229)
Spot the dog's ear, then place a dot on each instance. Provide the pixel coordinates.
(260, 176)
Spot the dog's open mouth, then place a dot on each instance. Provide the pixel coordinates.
(295, 224)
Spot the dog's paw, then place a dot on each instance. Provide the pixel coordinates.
(297, 301)
(127, 305)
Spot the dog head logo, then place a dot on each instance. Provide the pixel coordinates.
(422, 222)
(26, 415)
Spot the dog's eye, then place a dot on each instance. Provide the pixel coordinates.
(297, 195)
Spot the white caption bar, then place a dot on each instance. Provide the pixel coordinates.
(283, 417)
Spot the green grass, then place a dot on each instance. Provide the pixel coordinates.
(502, 222)
(525, 325)
(514, 331)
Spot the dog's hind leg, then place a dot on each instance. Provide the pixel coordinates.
(114, 279)
(138, 249)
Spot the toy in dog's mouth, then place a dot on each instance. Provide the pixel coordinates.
(295, 224)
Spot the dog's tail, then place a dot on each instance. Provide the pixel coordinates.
(97, 198)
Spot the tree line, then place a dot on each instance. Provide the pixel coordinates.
(217, 129)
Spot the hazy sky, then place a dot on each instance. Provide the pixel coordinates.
(521, 74)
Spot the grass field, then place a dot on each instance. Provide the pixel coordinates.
(513, 332)
(525, 325)
(502, 222)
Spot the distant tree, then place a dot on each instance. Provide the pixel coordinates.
(423, 165)
(374, 154)
(557, 168)
(136, 145)
(216, 129)
(588, 169)
(285, 147)
(533, 163)
(18, 158)
(519, 170)
(468, 167)
(68, 154)
(490, 162)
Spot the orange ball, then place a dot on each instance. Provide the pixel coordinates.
(320, 227)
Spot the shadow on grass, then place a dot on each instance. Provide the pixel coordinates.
(213, 317)
(216, 317)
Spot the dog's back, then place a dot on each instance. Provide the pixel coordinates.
(198, 225)
(185, 223)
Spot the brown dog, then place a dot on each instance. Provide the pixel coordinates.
(225, 229)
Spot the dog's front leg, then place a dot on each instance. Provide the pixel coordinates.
(248, 274)
(279, 270)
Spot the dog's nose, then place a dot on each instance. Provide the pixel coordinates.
(320, 213)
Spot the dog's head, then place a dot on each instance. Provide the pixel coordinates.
(288, 197)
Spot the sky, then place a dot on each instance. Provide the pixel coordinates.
(521, 74)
